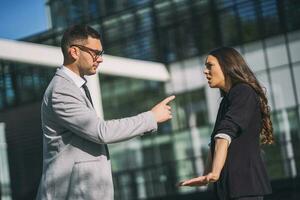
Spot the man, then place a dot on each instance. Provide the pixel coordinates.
(76, 161)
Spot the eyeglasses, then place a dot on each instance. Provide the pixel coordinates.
(93, 52)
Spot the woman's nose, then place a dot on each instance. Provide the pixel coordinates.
(205, 71)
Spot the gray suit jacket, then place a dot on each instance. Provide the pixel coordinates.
(76, 164)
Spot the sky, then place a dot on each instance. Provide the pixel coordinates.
(21, 18)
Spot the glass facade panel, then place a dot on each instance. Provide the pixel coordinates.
(274, 163)
(296, 74)
(293, 120)
(182, 8)
(294, 45)
(94, 9)
(248, 20)
(136, 91)
(254, 55)
(228, 22)
(164, 13)
(59, 13)
(4, 168)
(76, 11)
(270, 18)
(7, 89)
(206, 38)
(188, 48)
(291, 9)
(285, 131)
(224, 3)
(276, 51)
(282, 88)
(22, 83)
(111, 28)
(264, 81)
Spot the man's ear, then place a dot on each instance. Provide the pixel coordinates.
(74, 53)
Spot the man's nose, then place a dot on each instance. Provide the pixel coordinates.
(99, 59)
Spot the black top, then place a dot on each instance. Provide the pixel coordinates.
(244, 172)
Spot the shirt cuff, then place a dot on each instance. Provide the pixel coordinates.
(223, 136)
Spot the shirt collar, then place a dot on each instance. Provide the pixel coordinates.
(79, 81)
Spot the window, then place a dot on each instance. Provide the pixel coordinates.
(270, 23)
(248, 20)
(229, 27)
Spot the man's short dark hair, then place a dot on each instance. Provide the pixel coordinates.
(77, 34)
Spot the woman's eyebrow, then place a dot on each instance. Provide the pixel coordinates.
(208, 63)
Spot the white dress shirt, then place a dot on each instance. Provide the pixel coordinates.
(223, 136)
(79, 81)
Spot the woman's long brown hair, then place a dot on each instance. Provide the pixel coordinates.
(236, 70)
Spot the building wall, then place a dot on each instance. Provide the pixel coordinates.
(24, 148)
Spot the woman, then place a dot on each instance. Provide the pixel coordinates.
(243, 122)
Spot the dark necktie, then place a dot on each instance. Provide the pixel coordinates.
(88, 95)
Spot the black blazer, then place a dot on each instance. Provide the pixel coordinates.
(244, 172)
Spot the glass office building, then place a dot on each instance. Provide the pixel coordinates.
(177, 33)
